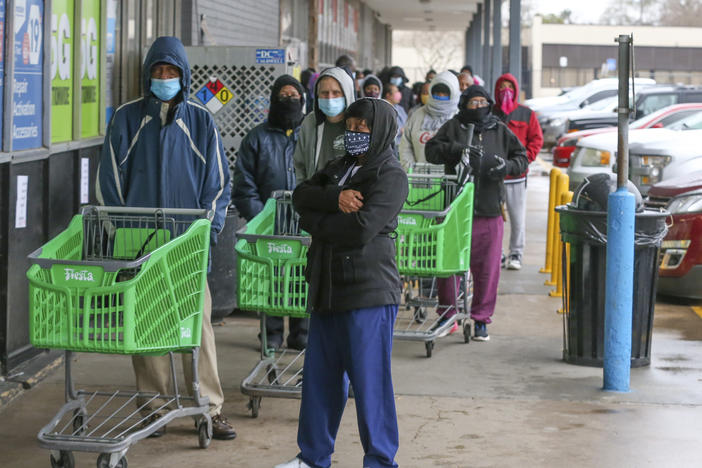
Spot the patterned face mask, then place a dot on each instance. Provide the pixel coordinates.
(356, 143)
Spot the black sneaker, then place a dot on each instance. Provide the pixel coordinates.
(503, 261)
(480, 332)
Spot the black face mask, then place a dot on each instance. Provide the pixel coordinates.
(285, 113)
(473, 116)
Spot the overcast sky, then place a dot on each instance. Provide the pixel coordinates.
(588, 11)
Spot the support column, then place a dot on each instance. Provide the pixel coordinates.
(468, 50)
(486, 69)
(477, 41)
(313, 34)
(515, 40)
(496, 44)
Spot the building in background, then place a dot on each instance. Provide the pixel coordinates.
(567, 55)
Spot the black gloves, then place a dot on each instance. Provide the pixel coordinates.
(496, 167)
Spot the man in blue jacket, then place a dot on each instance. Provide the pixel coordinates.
(265, 164)
(163, 150)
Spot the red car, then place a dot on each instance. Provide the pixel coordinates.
(680, 272)
(661, 118)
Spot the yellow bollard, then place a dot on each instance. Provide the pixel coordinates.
(566, 198)
(561, 187)
(553, 178)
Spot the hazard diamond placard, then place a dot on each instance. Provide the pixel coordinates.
(214, 95)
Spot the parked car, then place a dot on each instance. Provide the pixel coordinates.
(648, 100)
(655, 154)
(555, 126)
(656, 160)
(661, 118)
(583, 95)
(578, 98)
(680, 272)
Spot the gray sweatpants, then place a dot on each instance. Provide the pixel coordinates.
(516, 209)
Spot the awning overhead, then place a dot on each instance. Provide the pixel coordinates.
(426, 15)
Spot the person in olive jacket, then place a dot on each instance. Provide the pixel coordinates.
(350, 208)
(494, 153)
(264, 164)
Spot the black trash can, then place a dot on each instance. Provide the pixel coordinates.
(222, 276)
(584, 294)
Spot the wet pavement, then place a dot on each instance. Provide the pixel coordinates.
(509, 402)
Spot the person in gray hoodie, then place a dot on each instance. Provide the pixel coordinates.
(322, 132)
(424, 122)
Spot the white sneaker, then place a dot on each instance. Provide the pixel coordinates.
(294, 463)
(514, 263)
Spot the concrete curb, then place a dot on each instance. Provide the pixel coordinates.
(28, 375)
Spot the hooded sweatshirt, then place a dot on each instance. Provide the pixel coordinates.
(309, 153)
(425, 121)
(407, 101)
(154, 156)
(523, 123)
(371, 79)
(351, 261)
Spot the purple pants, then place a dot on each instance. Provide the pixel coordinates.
(485, 254)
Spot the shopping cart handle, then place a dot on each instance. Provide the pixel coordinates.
(208, 214)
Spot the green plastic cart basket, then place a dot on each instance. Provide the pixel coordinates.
(121, 280)
(434, 227)
(271, 259)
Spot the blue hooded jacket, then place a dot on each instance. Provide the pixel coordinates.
(156, 158)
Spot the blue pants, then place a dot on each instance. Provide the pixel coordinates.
(353, 346)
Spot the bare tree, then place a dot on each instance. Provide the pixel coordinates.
(681, 13)
(632, 12)
(436, 49)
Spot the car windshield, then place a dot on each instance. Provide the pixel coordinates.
(693, 122)
(604, 104)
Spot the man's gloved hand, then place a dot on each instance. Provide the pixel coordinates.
(471, 157)
(496, 167)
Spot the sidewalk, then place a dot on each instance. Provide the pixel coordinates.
(508, 402)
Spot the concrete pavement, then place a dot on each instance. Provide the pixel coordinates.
(509, 402)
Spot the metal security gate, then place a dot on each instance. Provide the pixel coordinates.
(234, 83)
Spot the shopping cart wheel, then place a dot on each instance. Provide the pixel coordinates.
(254, 405)
(429, 345)
(65, 460)
(204, 432)
(420, 314)
(103, 461)
(466, 331)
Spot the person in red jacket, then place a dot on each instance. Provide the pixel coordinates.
(524, 124)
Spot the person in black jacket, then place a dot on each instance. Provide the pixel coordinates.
(398, 78)
(350, 208)
(495, 152)
(265, 164)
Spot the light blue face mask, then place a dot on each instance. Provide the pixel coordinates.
(441, 98)
(165, 90)
(397, 81)
(332, 107)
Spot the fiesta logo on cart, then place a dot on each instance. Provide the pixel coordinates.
(186, 332)
(409, 221)
(279, 248)
(78, 275)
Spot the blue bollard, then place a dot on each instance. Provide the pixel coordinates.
(621, 220)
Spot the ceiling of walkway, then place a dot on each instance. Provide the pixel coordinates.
(426, 15)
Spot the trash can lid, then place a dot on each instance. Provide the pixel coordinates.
(593, 193)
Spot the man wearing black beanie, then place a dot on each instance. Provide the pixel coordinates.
(493, 153)
(264, 164)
